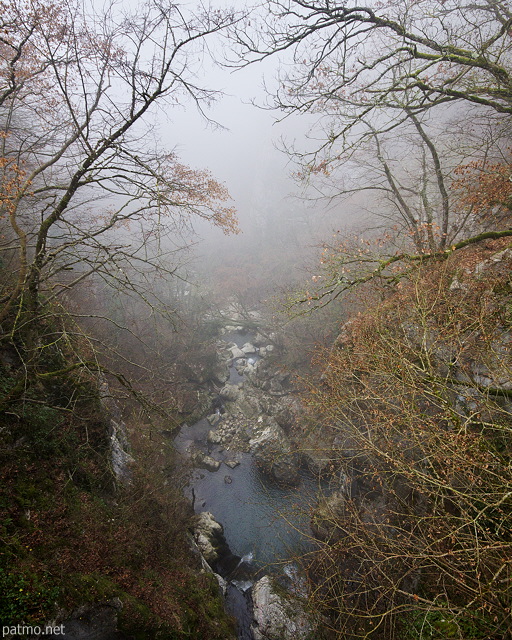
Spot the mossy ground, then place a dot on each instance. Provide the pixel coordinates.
(68, 537)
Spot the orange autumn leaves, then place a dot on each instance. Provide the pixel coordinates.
(485, 188)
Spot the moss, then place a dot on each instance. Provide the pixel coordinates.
(439, 625)
(26, 597)
(67, 540)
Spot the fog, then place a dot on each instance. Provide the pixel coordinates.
(241, 141)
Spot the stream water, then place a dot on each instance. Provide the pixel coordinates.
(266, 525)
(262, 521)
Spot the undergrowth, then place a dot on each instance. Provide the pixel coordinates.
(69, 536)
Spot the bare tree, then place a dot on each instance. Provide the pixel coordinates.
(432, 51)
(83, 188)
(414, 409)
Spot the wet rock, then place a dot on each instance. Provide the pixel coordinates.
(232, 464)
(272, 451)
(207, 462)
(213, 419)
(277, 614)
(229, 392)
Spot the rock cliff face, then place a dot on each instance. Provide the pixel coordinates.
(209, 537)
(120, 455)
(416, 403)
(278, 615)
(273, 452)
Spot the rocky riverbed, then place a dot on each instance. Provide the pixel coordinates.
(249, 478)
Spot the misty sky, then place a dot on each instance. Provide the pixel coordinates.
(243, 154)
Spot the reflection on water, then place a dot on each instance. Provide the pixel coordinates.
(258, 518)
(265, 525)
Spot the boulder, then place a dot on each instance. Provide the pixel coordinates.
(213, 419)
(249, 405)
(273, 454)
(229, 392)
(259, 340)
(248, 348)
(220, 373)
(207, 462)
(319, 461)
(276, 386)
(277, 614)
(236, 352)
(209, 536)
(328, 512)
(214, 436)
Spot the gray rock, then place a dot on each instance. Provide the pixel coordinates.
(208, 535)
(231, 463)
(214, 436)
(229, 392)
(223, 585)
(276, 386)
(120, 458)
(248, 348)
(237, 353)
(457, 285)
(221, 374)
(213, 419)
(207, 462)
(259, 340)
(329, 510)
(318, 461)
(277, 615)
(506, 254)
(273, 454)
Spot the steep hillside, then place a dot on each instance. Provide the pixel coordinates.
(81, 546)
(414, 410)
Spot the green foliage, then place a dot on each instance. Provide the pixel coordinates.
(65, 541)
(26, 598)
(441, 625)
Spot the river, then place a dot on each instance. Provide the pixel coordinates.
(266, 525)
